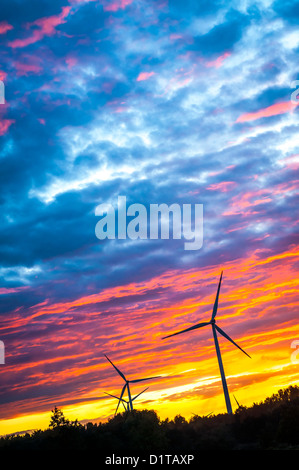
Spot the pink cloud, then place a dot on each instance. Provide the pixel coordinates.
(25, 42)
(46, 27)
(223, 186)
(4, 27)
(219, 172)
(218, 62)
(5, 124)
(273, 110)
(144, 76)
(71, 61)
(80, 1)
(291, 161)
(117, 5)
(25, 69)
(3, 75)
(108, 87)
(246, 203)
(118, 106)
(175, 36)
(12, 290)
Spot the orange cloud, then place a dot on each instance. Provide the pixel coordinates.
(273, 110)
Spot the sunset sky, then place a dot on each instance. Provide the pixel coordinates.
(160, 101)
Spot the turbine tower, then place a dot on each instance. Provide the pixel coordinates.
(127, 406)
(215, 328)
(127, 385)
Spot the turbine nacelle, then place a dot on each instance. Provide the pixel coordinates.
(127, 402)
(127, 386)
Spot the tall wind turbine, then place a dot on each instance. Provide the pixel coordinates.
(215, 328)
(127, 406)
(127, 385)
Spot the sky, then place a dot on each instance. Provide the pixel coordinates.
(160, 101)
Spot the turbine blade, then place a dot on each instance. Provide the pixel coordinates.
(198, 325)
(236, 401)
(142, 380)
(229, 339)
(114, 396)
(117, 370)
(140, 393)
(121, 395)
(216, 300)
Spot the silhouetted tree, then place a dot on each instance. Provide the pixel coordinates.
(58, 419)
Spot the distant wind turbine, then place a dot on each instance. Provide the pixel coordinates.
(127, 406)
(215, 328)
(119, 399)
(127, 385)
(236, 401)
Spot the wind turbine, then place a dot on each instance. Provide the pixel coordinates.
(119, 399)
(127, 385)
(215, 328)
(127, 407)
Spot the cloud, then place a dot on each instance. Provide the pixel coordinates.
(219, 61)
(288, 10)
(25, 69)
(117, 5)
(144, 76)
(273, 110)
(222, 37)
(5, 125)
(45, 27)
(4, 27)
